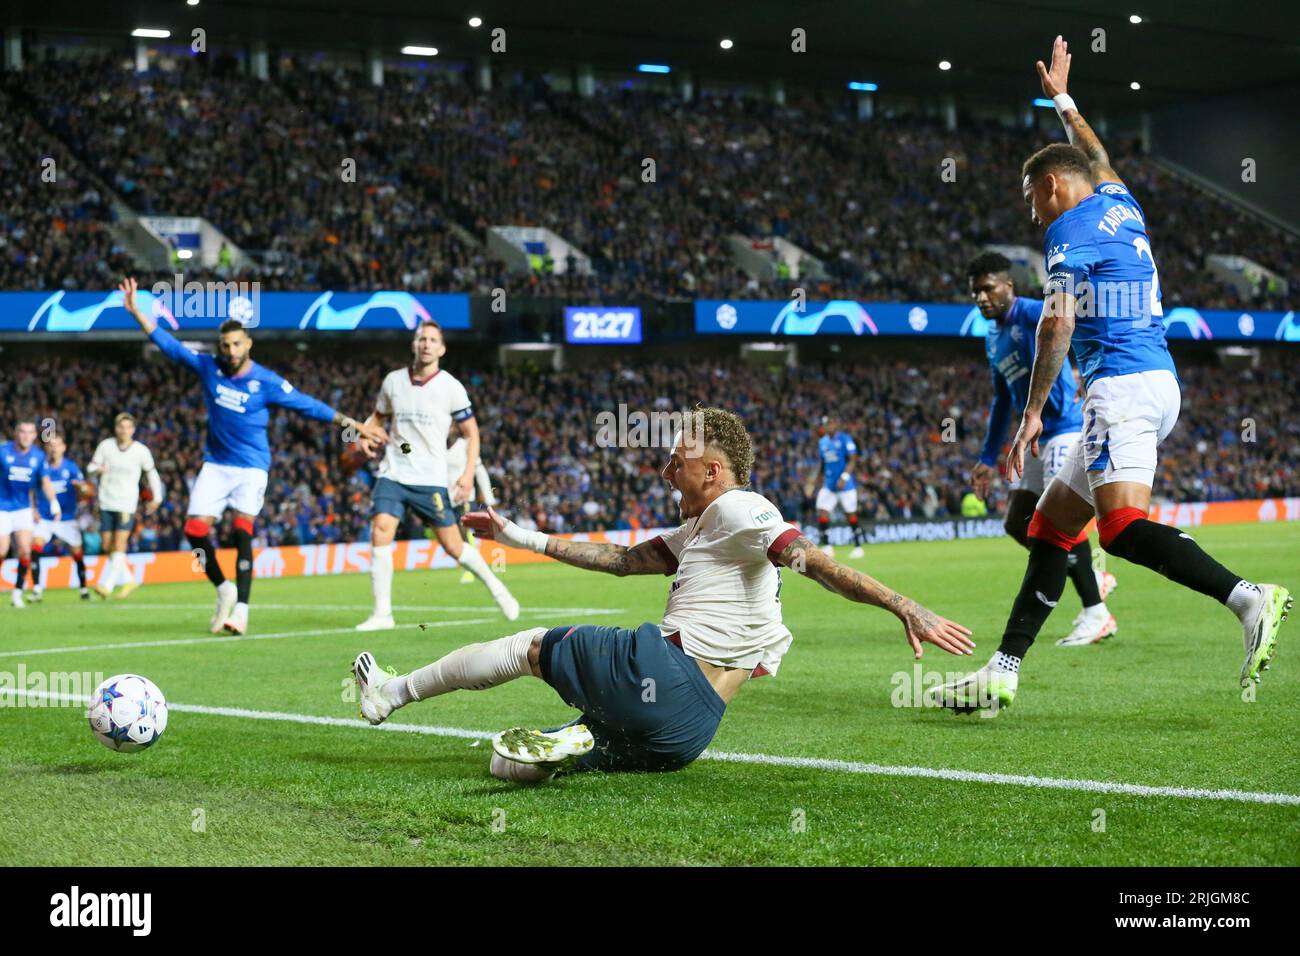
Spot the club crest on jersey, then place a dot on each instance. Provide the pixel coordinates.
(1113, 189)
(254, 386)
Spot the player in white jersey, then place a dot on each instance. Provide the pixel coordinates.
(417, 404)
(457, 462)
(652, 697)
(119, 462)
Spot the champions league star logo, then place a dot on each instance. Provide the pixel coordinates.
(791, 321)
(61, 319)
(322, 315)
(1288, 330)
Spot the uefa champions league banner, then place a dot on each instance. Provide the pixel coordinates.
(308, 560)
(205, 305)
(848, 317)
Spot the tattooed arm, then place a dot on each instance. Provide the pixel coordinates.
(1076, 127)
(920, 624)
(648, 557)
(644, 558)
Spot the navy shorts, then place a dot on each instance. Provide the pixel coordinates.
(428, 501)
(110, 521)
(646, 702)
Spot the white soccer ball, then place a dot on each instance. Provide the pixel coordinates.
(128, 713)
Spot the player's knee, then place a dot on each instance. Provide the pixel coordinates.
(535, 655)
(1111, 527)
(1041, 528)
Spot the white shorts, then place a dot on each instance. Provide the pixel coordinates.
(12, 522)
(219, 487)
(827, 499)
(1052, 455)
(65, 530)
(1125, 418)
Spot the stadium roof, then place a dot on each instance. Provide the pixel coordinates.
(1180, 51)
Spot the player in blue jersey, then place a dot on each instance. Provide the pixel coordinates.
(839, 456)
(1103, 295)
(66, 480)
(22, 473)
(1009, 346)
(239, 394)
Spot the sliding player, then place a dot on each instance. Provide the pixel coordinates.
(120, 462)
(839, 456)
(419, 403)
(653, 696)
(457, 461)
(239, 394)
(1098, 256)
(1010, 348)
(22, 472)
(66, 480)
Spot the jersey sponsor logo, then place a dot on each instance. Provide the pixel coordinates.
(760, 514)
(231, 398)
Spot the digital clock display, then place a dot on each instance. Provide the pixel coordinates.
(587, 325)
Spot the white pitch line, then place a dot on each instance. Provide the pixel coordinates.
(206, 607)
(177, 642)
(808, 763)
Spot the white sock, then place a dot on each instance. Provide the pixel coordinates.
(472, 667)
(381, 579)
(108, 578)
(473, 562)
(121, 573)
(517, 772)
(1006, 663)
(1244, 599)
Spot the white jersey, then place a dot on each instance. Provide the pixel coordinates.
(725, 602)
(119, 474)
(457, 459)
(420, 414)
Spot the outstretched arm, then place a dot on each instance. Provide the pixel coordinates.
(1076, 127)
(644, 558)
(920, 624)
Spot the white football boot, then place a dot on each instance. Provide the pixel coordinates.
(38, 594)
(1091, 626)
(857, 552)
(989, 689)
(1106, 583)
(372, 703)
(828, 550)
(1259, 630)
(506, 601)
(556, 750)
(227, 594)
(237, 623)
(377, 622)
(16, 598)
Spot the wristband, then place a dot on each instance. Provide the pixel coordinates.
(1063, 102)
(517, 537)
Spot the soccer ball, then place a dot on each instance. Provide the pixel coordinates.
(128, 713)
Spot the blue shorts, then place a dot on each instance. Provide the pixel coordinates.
(646, 702)
(430, 502)
(110, 521)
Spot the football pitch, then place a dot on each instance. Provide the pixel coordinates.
(1139, 751)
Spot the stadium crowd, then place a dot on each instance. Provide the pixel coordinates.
(437, 163)
(552, 466)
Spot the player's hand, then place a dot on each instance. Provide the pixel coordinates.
(463, 488)
(925, 627)
(1031, 427)
(127, 287)
(369, 432)
(368, 448)
(487, 524)
(981, 476)
(1053, 78)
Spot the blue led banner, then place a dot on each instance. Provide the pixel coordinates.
(198, 306)
(847, 317)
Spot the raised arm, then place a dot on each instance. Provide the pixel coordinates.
(644, 558)
(160, 337)
(920, 624)
(1076, 127)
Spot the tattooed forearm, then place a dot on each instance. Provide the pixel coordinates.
(805, 557)
(1054, 332)
(1082, 136)
(610, 558)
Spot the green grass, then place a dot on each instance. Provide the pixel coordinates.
(1157, 705)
